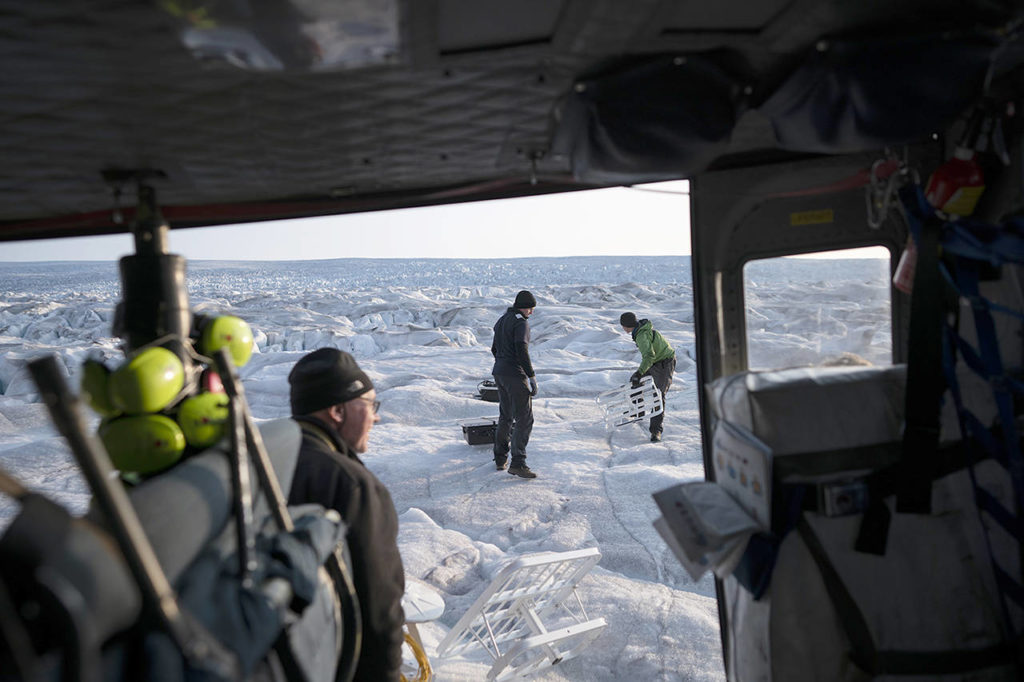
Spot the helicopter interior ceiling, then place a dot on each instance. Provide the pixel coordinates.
(248, 110)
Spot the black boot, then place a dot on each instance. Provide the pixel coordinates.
(522, 471)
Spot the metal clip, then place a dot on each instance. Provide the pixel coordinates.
(887, 175)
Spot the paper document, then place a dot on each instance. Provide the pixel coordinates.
(703, 525)
(695, 567)
(742, 465)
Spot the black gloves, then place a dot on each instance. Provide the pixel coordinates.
(634, 380)
(533, 386)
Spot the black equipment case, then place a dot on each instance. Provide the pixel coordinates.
(479, 431)
(488, 391)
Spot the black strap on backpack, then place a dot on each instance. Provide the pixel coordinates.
(16, 642)
(16, 649)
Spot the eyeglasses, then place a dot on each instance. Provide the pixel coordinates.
(374, 403)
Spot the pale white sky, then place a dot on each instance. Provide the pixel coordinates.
(648, 220)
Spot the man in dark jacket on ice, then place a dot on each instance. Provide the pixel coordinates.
(657, 358)
(335, 404)
(517, 384)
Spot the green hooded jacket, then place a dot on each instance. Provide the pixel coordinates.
(653, 346)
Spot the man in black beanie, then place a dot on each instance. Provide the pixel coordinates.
(517, 384)
(335, 405)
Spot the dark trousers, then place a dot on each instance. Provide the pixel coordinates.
(515, 418)
(662, 372)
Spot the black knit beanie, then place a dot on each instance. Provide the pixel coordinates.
(524, 299)
(325, 377)
(627, 320)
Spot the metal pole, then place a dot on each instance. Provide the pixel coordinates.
(242, 500)
(257, 449)
(154, 297)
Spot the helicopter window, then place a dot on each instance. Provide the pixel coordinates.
(828, 308)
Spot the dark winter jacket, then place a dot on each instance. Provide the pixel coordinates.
(511, 345)
(330, 474)
(653, 346)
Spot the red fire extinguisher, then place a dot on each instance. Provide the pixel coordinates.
(954, 189)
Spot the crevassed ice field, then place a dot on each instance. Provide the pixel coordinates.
(422, 331)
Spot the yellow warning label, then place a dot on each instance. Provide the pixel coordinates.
(825, 215)
(963, 200)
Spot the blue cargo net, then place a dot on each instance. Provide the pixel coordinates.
(971, 252)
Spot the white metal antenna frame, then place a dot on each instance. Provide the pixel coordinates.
(625, 404)
(524, 619)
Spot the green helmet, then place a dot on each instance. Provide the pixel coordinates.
(142, 444)
(147, 382)
(95, 384)
(230, 331)
(203, 418)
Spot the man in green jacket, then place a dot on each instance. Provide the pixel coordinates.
(656, 359)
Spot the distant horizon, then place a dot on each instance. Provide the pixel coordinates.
(643, 221)
(360, 258)
(597, 222)
(440, 258)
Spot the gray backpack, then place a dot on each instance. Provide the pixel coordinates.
(188, 575)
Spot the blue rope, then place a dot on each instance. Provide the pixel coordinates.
(972, 245)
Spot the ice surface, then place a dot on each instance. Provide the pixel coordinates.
(422, 331)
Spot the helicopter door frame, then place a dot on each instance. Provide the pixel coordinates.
(780, 209)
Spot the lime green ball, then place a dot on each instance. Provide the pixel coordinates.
(203, 418)
(142, 444)
(95, 388)
(230, 331)
(147, 382)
